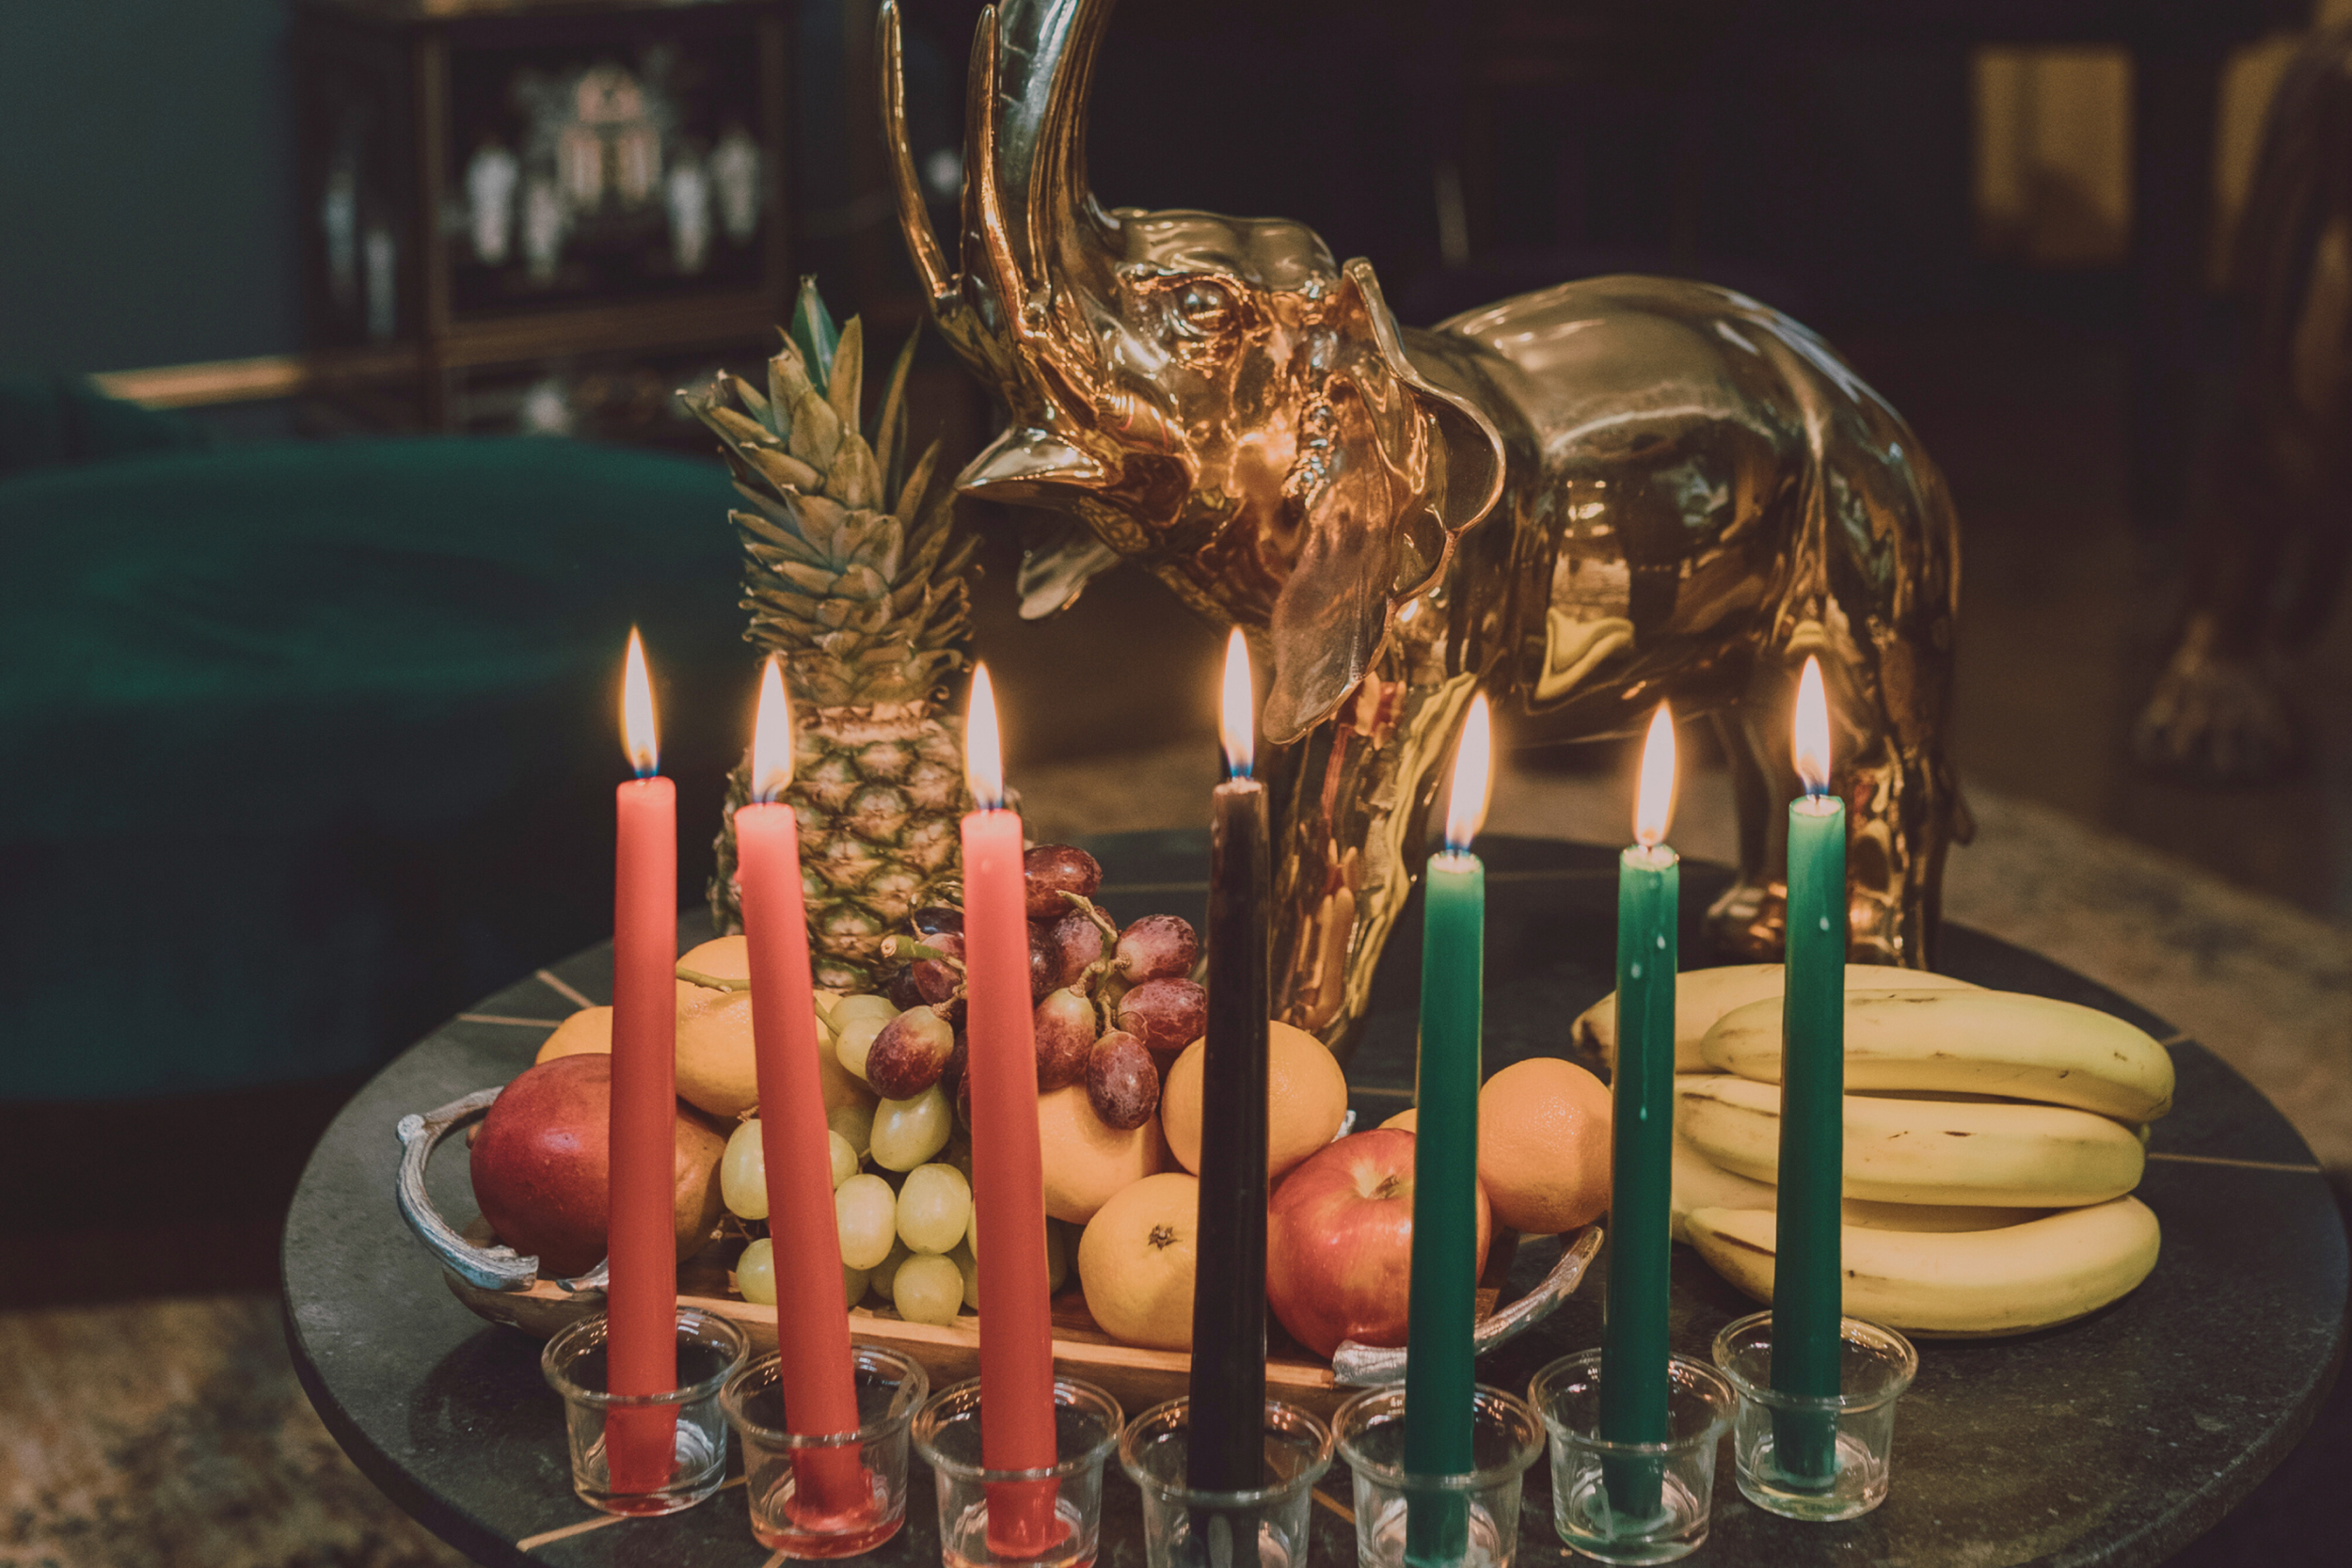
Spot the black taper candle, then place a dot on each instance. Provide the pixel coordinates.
(1226, 1443)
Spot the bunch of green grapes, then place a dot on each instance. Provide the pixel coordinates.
(901, 1194)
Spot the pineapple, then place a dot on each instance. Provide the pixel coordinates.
(857, 581)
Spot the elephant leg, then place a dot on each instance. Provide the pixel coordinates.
(2218, 713)
(2313, 603)
(2322, 529)
(1745, 922)
(1903, 813)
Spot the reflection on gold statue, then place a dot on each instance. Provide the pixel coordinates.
(1584, 499)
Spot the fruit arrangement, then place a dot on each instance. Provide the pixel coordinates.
(1993, 1142)
(1116, 1017)
(1119, 1021)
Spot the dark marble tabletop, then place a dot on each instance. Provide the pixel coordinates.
(2114, 1440)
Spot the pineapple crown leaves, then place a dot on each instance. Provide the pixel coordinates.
(854, 572)
(814, 332)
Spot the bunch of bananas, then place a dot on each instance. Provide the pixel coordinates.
(1992, 1140)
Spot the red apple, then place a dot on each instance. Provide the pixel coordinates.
(1340, 1242)
(542, 1166)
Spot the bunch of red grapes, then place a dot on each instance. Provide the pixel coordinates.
(1114, 1007)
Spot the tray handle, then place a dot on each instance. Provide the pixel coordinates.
(492, 1268)
(1353, 1363)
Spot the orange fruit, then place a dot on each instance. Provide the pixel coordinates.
(1306, 1099)
(1087, 1161)
(1543, 1145)
(1137, 1259)
(1408, 1119)
(587, 1030)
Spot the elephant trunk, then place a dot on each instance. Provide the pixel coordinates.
(1030, 227)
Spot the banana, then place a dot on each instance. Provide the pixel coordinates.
(1970, 1041)
(1975, 1283)
(1704, 995)
(1900, 1149)
(1924, 1218)
(1699, 1182)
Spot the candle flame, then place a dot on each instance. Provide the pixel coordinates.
(1237, 718)
(1473, 779)
(637, 727)
(1812, 730)
(772, 737)
(984, 754)
(1654, 805)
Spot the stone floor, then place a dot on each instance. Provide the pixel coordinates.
(171, 1433)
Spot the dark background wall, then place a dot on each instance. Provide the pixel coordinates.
(148, 214)
(147, 189)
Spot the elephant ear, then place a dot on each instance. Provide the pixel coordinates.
(1406, 466)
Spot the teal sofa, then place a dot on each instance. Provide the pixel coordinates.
(304, 744)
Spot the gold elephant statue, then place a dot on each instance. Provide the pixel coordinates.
(1583, 500)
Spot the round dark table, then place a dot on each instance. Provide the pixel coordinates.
(2114, 1440)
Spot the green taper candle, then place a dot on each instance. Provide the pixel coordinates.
(1805, 1274)
(1440, 1367)
(1633, 1371)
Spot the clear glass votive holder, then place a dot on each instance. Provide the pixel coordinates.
(710, 1349)
(1875, 1366)
(1086, 1428)
(1188, 1529)
(784, 1474)
(1633, 1504)
(1473, 1516)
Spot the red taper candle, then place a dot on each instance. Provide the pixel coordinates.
(830, 1488)
(641, 1301)
(1008, 1168)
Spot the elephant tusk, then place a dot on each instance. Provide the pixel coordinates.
(930, 262)
(983, 185)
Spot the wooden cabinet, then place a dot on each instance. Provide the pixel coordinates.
(549, 212)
